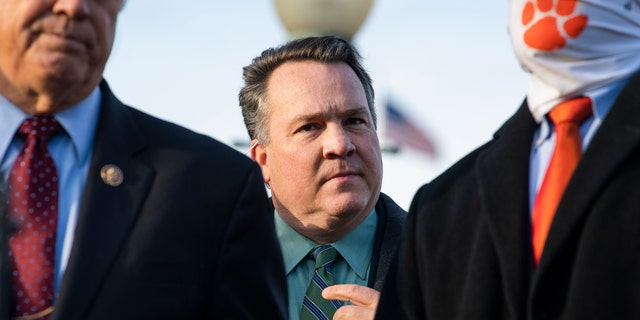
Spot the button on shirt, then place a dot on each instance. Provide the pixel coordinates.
(544, 139)
(356, 250)
(71, 152)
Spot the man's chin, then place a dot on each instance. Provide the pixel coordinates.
(60, 65)
(348, 203)
(62, 76)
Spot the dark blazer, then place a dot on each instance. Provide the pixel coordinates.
(466, 252)
(187, 235)
(391, 219)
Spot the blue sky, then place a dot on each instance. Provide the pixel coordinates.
(448, 63)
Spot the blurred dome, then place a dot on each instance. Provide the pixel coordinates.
(304, 18)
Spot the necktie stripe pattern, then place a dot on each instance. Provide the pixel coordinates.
(33, 208)
(313, 305)
(567, 118)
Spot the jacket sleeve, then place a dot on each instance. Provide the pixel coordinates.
(251, 281)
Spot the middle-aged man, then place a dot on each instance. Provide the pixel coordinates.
(112, 213)
(525, 227)
(309, 109)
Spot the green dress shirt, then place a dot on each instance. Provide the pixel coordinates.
(356, 250)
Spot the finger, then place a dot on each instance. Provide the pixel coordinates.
(350, 312)
(356, 294)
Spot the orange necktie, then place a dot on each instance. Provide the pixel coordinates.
(566, 117)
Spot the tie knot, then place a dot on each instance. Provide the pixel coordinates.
(324, 255)
(39, 127)
(574, 111)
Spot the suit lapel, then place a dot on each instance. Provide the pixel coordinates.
(617, 137)
(107, 213)
(390, 223)
(503, 187)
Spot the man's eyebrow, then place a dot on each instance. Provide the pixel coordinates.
(357, 111)
(309, 116)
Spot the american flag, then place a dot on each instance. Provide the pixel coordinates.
(404, 132)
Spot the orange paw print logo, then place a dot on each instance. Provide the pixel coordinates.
(556, 23)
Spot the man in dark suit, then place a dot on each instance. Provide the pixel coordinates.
(472, 247)
(154, 221)
(309, 109)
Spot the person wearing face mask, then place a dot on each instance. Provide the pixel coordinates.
(541, 222)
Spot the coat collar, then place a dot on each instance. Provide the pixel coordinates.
(502, 172)
(107, 213)
(391, 220)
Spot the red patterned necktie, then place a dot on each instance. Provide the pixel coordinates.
(33, 208)
(567, 118)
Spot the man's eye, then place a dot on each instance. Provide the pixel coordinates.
(309, 127)
(356, 121)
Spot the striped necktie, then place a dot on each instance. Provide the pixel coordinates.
(314, 306)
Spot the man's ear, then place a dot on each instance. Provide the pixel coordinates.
(258, 153)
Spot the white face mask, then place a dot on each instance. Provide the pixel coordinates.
(573, 46)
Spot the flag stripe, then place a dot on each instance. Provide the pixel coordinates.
(403, 131)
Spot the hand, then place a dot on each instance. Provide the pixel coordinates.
(364, 301)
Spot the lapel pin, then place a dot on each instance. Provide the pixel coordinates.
(111, 175)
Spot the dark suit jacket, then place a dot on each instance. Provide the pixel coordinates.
(187, 235)
(391, 219)
(466, 253)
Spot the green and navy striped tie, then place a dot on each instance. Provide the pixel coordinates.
(314, 306)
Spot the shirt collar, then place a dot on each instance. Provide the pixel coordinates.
(79, 122)
(602, 98)
(10, 119)
(356, 247)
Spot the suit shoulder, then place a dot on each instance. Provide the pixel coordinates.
(456, 179)
(391, 207)
(168, 135)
